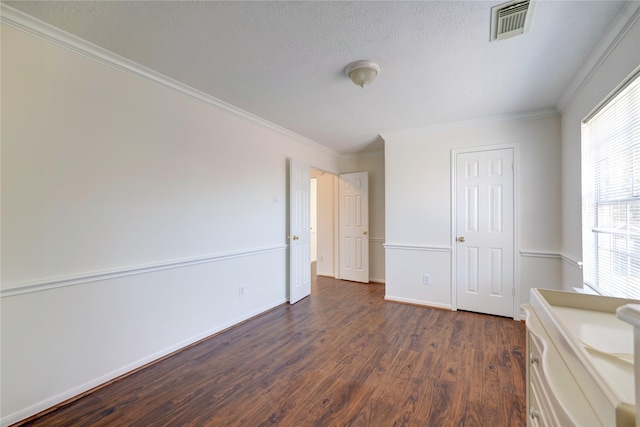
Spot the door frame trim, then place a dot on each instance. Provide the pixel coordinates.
(516, 223)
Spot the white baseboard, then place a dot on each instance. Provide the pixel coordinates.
(75, 391)
(418, 302)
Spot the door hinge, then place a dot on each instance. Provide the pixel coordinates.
(513, 292)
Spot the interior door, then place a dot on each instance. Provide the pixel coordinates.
(299, 231)
(354, 226)
(484, 201)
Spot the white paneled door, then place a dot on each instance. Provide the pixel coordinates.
(484, 231)
(354, 226)
(299, 231)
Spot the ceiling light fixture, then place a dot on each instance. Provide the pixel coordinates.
(362, 72)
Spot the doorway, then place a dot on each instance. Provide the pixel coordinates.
(317, 222)
(323, 223)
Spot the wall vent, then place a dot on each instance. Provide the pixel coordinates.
(511, 19)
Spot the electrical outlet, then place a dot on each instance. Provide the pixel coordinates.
(321, 258)
(240, 291)
(426, 279)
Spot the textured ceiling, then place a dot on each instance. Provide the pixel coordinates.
(284, 61)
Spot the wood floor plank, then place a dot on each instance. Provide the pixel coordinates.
(342, 357)
(405, 392)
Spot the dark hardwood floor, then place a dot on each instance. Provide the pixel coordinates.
(341, 357)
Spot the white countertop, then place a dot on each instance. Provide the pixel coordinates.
(608, 341)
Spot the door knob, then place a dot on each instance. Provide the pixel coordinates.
(460, 239)
(364, 232)
(295, 237)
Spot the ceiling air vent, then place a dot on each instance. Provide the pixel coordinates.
(510, 19)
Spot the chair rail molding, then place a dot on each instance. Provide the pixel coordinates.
(79, 279)
(556, 255)
(407, 247)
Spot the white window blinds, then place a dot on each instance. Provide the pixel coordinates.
(611, 194)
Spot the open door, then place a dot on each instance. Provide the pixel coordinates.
(354, 226)
(299, 231)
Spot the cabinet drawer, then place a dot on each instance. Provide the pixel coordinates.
(533, 411)
(539, 411)
(557, 393)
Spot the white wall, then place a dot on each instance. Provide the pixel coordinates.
(418, 204)
(617, 58)
(373, 163)
(131, 213)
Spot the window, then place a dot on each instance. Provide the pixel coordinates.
(611, 194)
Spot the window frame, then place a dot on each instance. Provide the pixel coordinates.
(607, 195)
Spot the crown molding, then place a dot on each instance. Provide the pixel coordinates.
(607, 44)
(48, 32)
(536, 114)
(365, 154)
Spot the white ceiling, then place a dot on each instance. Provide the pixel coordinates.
(284, 61)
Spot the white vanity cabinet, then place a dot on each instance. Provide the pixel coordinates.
(580, 369)
(630, 313)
